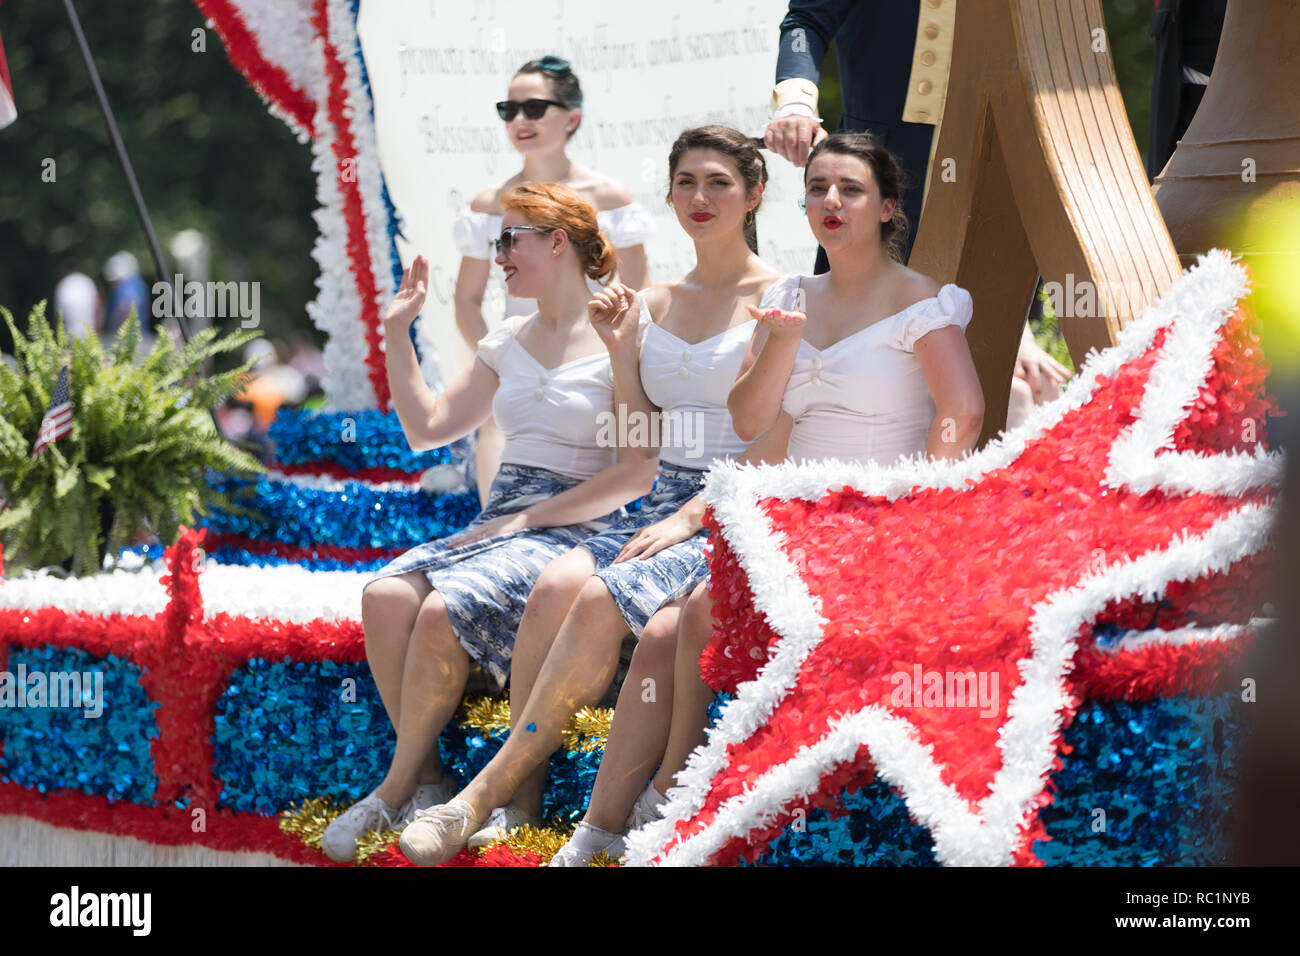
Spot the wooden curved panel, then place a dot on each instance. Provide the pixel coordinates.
(1047, 181)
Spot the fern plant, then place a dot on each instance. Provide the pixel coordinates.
(141, 444)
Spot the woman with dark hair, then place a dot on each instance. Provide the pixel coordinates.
(548, 380)
(873, 366)
(542, 110)
(675, 351)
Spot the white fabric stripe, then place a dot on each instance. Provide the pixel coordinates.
(27, 842)
(105, 594)
(325, 482)
(283, 592)
(1176, 637)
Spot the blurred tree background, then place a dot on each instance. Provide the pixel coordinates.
(206, 152)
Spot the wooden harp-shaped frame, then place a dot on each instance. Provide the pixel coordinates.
(1036, 172)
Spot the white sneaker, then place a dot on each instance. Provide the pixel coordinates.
(430, 795)
(340, 838)
(499, 824)
(647, 809)
(438, 833)
(585, 843)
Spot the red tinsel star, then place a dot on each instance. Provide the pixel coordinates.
(933, 622)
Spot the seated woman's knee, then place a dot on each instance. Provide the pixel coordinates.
(432, 625)
(384, 600)
(658, 643)
(696, 627)
(559, 583)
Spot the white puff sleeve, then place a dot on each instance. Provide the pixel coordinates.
(644, 321)
(493, 346)
(472, 235)
(629, 225)
(952, 306)
(781, 294)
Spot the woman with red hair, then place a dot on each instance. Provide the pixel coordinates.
(548, 381)
(542, 111)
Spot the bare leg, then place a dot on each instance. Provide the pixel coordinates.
(433, 680)
(389, 608)
(1020, 404)
(691, 696)
(639, 733)
(578, 670)
(487, 457)
(556, 590)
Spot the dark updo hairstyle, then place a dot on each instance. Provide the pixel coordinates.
(737, 147)
(886, 168)
(563, 81)
(552, 206)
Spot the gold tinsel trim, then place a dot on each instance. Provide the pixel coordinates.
(308, 822)
(587, 730)
(545, 842)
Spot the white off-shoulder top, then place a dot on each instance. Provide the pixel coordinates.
(550, 416)
(690, 383)
(865, 398)
(473, 232)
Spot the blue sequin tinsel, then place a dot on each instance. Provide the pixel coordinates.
(64, 747)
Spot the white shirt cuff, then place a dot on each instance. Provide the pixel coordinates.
(796, 109)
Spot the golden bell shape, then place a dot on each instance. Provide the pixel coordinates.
(1234, 180)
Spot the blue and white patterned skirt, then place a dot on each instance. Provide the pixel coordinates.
(642, 586)
(485, 584)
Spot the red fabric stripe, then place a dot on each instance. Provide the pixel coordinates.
(339, 472)
(345, 150)
(270, 80)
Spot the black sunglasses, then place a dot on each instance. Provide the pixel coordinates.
(506, 242)
(533, 109)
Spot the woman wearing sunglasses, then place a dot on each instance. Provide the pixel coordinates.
(542, 110)
(547, 378)
(675, 351)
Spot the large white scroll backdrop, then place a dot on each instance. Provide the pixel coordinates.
(648, 71)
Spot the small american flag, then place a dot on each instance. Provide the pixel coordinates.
(58, 420)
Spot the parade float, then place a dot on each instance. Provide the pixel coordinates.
(1036, 655)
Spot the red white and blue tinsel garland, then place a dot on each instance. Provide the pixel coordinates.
(1112, 547)
(303, 57)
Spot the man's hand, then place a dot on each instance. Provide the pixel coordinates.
(794, 136)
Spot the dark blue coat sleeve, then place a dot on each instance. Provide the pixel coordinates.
(806, 34)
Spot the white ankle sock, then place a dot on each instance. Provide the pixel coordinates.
(593, 837)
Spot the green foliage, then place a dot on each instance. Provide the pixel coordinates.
(1047, 331)
(142, 441)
